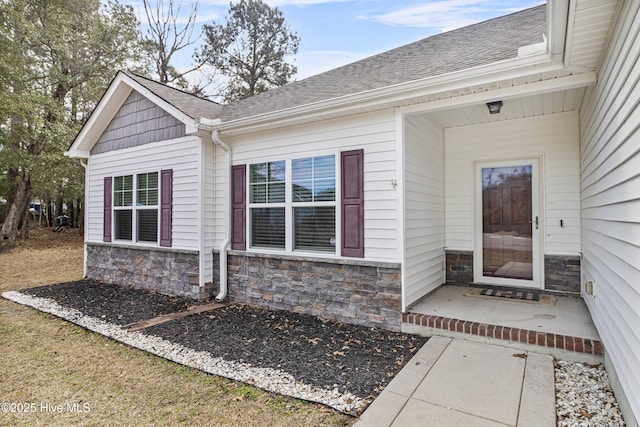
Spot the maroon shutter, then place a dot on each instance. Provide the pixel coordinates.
(108, 203)
(352, 167)
(238, 207)
(166, 206)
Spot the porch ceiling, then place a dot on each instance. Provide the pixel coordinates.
(514, 108)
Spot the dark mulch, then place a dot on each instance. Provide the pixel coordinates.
(315, 351)
(111, 303)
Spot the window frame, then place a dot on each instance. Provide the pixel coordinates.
(136, 207)
(289, 206)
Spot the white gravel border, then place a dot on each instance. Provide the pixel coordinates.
(584, 396)
(273, 380)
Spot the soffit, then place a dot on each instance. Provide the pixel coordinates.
(516, 108)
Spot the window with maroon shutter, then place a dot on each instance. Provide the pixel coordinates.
(134, 211)
(352, 167)
(238, 207)
(166, 206)
(106, 225)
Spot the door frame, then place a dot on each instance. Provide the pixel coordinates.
(536, 236)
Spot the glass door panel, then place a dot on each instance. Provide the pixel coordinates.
(507, 224)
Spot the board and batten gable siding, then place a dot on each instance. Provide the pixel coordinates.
(552, 137)
(182, 155)
(139, 121)
(423, 267)
(610, 151)
(375, 133)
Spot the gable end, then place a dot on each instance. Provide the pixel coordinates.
(139, 121)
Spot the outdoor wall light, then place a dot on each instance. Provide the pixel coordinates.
(494, 107)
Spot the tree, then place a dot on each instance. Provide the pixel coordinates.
(166, 37)
(56, 58)
(251, 49)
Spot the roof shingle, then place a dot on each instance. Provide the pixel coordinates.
(479, 44)
(472, 46)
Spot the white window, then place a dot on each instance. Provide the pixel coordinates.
(314, 203)
(139, 202)
(292, 204)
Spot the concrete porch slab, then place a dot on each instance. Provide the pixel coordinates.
(569, 315)
(563, 330)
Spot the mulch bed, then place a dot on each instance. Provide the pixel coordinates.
(316, 351)
(111, 303)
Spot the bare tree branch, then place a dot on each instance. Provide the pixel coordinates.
(168, 34)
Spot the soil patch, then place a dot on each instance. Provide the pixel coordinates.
(315, 351)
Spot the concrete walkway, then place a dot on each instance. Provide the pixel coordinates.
(452, 382)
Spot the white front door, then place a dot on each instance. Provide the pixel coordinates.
(507, 249)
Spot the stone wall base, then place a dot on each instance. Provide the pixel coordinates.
(561, 272)
(355, 292)
(167, 271)
(459, 267)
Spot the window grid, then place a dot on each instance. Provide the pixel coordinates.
(135, 208)
(292, 205)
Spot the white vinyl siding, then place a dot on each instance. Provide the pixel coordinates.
(553, 138)
(182, 155)
(610, 149)
(423, 267)
(375, 133)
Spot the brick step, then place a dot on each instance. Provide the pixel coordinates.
(518, 335)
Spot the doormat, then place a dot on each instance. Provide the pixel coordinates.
(520, 296)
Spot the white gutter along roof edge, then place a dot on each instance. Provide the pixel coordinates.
(507, 69)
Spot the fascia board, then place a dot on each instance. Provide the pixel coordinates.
(558, 12)
(536, 88)
(100, 117)
(513, 68)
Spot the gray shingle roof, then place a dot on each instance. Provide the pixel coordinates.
(472, 46)
(479, 44)
(190, 105)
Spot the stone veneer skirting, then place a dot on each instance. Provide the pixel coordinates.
(561, 272)
(349, 291)
(164, 270)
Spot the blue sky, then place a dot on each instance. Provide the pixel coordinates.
(337, 32)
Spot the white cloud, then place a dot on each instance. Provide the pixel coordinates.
(444, 15)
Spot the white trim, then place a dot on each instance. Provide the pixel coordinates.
(400, 203)
(288, 206)
(395, 95)
(131, 151)
(537, 232)
(536, 88)
(134, 208)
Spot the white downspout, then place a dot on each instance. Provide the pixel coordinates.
(83, 163)
(222, 294)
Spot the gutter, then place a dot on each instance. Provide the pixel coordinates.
(224, 247)
(398, 94)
